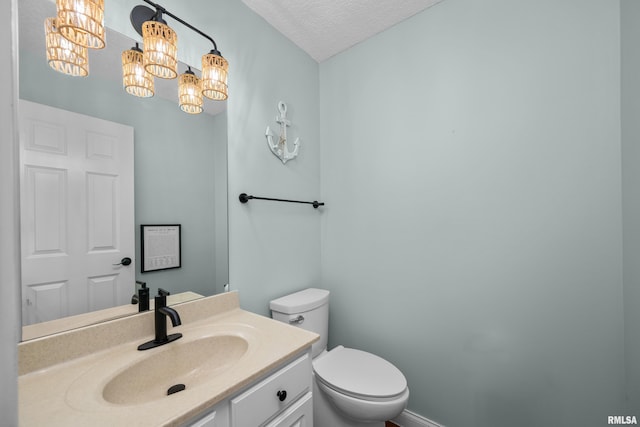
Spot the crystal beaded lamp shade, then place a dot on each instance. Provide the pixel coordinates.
(135, 79)
(82, 22)
(214, 76)
(190, 93)
(63, 55)
(160, 49)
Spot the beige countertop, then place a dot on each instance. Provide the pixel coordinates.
(62, 376)
(42, 329)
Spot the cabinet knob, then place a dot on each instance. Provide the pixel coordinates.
(282, 395)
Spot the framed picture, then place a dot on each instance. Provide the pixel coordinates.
(160, 247)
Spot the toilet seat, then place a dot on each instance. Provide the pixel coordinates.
(359, 374)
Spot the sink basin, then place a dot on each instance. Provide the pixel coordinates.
(188, 363)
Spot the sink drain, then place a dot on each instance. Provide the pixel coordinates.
(175, 388)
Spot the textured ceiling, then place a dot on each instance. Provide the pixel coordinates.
(323, 28)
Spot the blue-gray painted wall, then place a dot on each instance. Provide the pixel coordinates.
(273, 248)
(630, 16)
(471, 162)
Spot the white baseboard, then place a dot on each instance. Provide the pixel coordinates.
(410, 419)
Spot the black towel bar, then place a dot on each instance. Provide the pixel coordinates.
(244, 198)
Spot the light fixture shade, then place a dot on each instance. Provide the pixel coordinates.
(190, 93)
(135, 79)
(62, 55)
(160, 49)
(214, 76)
(82, 22)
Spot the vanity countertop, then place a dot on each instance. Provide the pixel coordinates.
(42, 329)
(62, 376)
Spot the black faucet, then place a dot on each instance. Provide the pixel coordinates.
(161, 313)
(141, 297)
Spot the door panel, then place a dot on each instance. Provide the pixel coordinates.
(45, 209)
(77, 219)
(50, 298)
(102, 195)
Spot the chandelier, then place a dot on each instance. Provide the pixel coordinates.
(159, 58)
(79, 26)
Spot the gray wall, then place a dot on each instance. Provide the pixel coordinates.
(630, 13)
(471, 161)
(273, 248)
(179, 158)
(9, 220)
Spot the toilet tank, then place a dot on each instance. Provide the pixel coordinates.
(307, 309)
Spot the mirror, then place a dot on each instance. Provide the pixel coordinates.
(180, 160)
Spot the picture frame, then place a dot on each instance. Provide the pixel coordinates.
(160, 247)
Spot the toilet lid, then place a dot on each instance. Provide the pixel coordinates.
(359, 373)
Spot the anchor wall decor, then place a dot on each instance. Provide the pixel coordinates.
(279, 148)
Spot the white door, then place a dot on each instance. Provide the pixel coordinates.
(77, 213)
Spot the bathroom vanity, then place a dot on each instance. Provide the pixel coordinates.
(230, 368)
(283, 399)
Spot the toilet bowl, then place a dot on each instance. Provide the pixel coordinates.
(361, 385)
(351, 388)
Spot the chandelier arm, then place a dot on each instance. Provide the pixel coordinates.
(186, 24)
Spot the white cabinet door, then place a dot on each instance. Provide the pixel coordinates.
(76, 213)
(300, 414)
(218, 416)
(272, 395)
(207, 421)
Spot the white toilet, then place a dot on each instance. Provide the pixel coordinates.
(351, 388)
